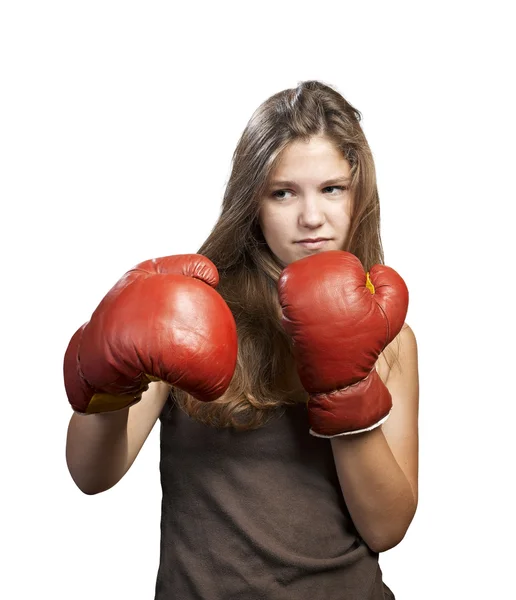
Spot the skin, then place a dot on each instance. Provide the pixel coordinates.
(310, 207)
(377, 469)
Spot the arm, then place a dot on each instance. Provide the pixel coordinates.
(100, 448)
(378, 469)
(163, 322)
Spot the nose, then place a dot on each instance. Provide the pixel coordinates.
(311, 213)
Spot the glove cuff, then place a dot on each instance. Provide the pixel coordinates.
(320, 435)
(356, 408)
(102, 402)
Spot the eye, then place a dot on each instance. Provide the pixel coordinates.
(337, 187)
(279, 192)
(341, 188)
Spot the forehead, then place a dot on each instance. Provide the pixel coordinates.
(317, 157)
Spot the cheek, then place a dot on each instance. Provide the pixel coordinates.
(273, 222)
(342, 217)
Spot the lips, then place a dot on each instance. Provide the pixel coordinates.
(314, 243)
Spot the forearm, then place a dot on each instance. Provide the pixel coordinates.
(378, 495)
(97, 449)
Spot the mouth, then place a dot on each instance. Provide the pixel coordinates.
(313, 243)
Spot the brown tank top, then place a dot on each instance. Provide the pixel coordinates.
(257, 515)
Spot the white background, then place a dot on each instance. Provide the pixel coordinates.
(118, 121)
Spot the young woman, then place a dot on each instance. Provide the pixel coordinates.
(280, 367)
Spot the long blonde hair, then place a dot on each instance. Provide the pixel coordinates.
(265, 381)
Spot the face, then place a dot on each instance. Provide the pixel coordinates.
(307, 198)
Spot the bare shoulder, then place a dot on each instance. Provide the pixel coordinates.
(402, 347)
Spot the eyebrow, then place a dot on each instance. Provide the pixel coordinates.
(325, 183)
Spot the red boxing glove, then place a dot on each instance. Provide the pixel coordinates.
(340, 319)
(162, 321)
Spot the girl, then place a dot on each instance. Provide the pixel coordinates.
(270, 488)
